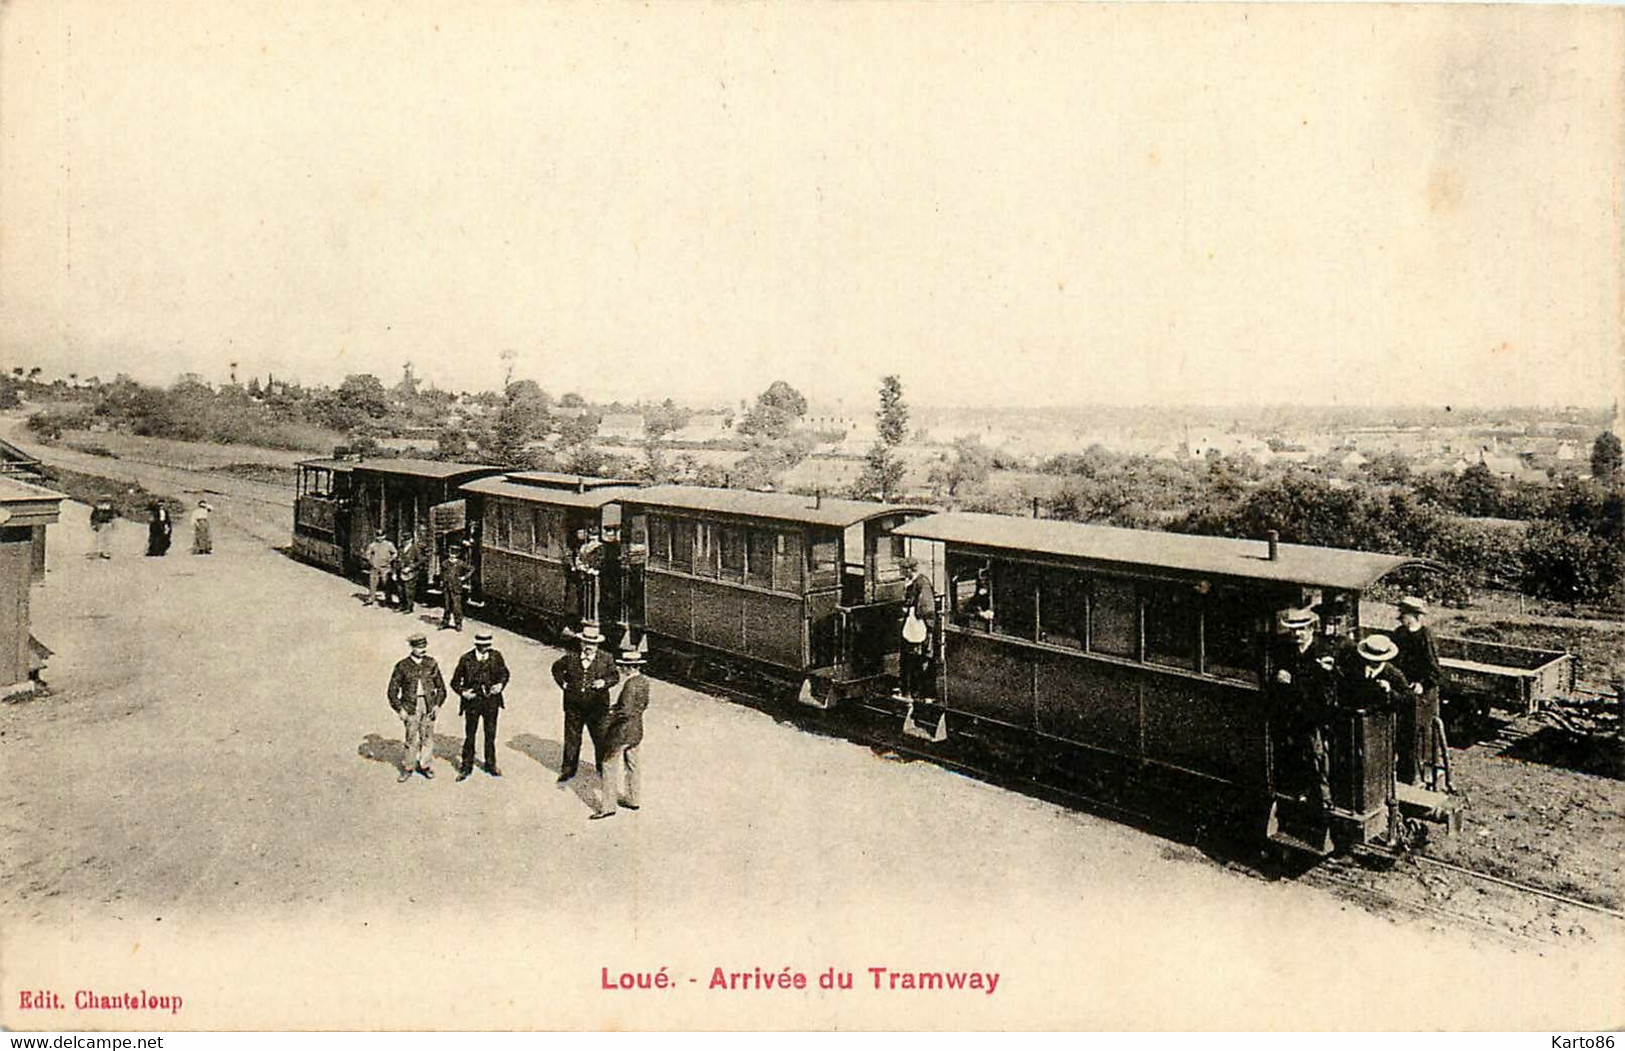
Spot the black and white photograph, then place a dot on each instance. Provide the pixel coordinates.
(729, 516)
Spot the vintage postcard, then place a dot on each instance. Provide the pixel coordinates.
(812, 516)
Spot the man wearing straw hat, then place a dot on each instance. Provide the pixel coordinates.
(416, 691)
(585, 678)
(1418, 661)
(1304, 688)
(623, 735)
(479, 680)
(1375, 684)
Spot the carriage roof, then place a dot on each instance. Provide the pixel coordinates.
(1140, 548)
(539, 494)
(430, 469)
(781, 507)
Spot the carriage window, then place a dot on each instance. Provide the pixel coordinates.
(496, 524)
(659, 541)
(787, 562)
(1063, 609)
(733, 553)
(1014, 594)
(1171, 619)
(1230, 632)
(759, 558)
(888, 552)
(1114, 618)
(970, 592)
(705, 549)
(519, 528)
(682, 545)
(825, 557)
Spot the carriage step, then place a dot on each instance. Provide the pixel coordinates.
(1438, 807)
(1307, 836)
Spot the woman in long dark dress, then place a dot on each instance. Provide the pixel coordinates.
(160, 527)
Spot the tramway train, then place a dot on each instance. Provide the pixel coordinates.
(1069, 655)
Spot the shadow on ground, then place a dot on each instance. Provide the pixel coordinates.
(1583, 754)
(550, 755)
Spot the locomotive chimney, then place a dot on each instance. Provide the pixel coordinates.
(1035, 507)
(818, 498)
(1275, 544)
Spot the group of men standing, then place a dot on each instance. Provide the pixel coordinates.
(417, 690)
(1316, 678)
(400, 570)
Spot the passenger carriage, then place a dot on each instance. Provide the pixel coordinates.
(528, 558)
(803, 591)
(1063, 643)
(321, 514)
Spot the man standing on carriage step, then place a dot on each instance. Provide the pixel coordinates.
(1303, 690)
(380, 556)
(416, 691)
(454, 574)
(585, 678)
(479, 680)
(1418, 661)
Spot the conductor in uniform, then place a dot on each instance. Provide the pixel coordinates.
(454, 574)
(585, 677)
(479, 680)
(416, 691)
(1418, 661)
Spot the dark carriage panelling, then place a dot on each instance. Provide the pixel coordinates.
(518, 580)
(719, 617)
(1091, 702)
(774, 629)
(1206, 727)
(320, 552)
(753, 624)
(668, 605)
(990, 679)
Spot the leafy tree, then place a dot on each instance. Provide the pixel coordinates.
(452, 443)
(579, 430)
(572, 400)
(662, 419)
(364, 395)
(969, 465)
(1606, 456)
(777, 411)
(883, 469)
(1478, 492)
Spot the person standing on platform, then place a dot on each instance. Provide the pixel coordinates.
(479, 680)
(585, 677)
(621, 780)
(1418, 660)
(202, 529)
(454, 575)
(407, 569)
(380, 555)
(102, 518)
(416, 691)
(160, 528)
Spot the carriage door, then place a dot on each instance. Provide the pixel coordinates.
(634, 557)
(852, 569)
(611, 590)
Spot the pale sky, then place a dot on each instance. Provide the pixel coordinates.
(1007, 204)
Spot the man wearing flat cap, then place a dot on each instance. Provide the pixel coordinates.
(1303, 688)
(585, 677)
(416, 691)
(454, 577)
(479, 680)
(1418, 661)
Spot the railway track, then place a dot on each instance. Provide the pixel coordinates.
(1350, 876)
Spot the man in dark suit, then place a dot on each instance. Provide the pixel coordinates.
(479, 680)
(454, 576)
(920, 614)
(416, 691)
(623, 735)
(585, 677)
(1303, 693)
(1418, 661)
